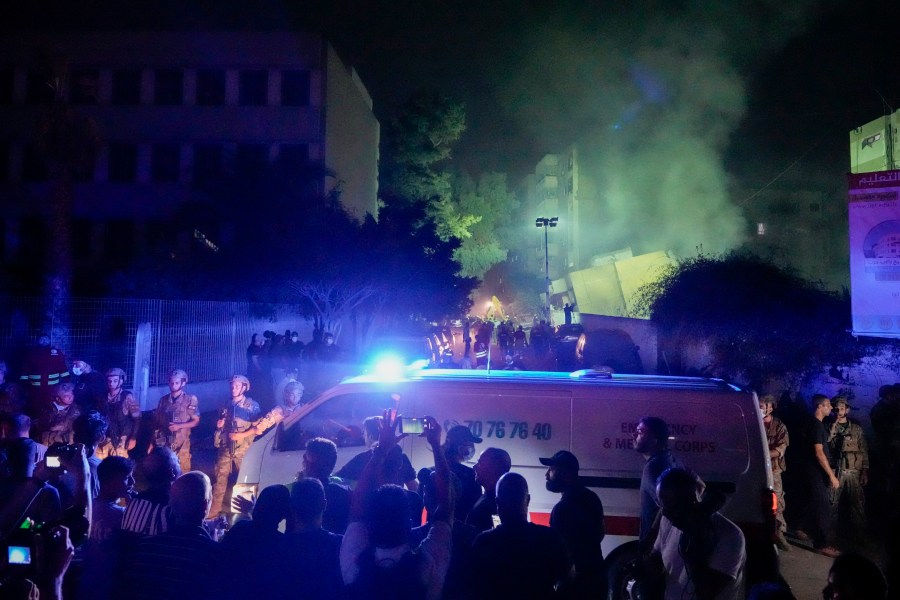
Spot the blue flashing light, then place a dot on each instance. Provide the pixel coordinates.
(388, 366)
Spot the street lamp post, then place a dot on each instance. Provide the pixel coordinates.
(547, 223)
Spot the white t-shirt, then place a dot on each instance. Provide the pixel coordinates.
(728, 556)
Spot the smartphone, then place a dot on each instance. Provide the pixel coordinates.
(412, 426)
(53, 462)
(19, 555)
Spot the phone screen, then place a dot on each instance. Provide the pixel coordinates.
(19, 555)
(53, 461)
(414, 426)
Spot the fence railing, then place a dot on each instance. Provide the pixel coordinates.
(148, 338)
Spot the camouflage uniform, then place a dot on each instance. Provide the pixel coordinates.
(178, 410)
(243, 414)
(274, 417)
(123, 413)
(55, 424)
(850, 457)
(777, 436)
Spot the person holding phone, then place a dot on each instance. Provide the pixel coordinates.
(404, 475)
(376, 547)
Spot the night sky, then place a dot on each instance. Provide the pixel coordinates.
(674, 104)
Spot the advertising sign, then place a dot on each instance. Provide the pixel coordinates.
(874, 215)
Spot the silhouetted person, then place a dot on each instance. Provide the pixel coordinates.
(310, 555)
(518, 559)
(578, 517)
(492, 464)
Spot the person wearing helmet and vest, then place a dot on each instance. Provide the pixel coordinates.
(233, 437)
(123, 412)
(176, 415)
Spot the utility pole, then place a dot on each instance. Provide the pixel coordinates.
(547, 223)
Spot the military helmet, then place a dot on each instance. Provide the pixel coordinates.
(179, 374)
(243, 380)
(116, 372)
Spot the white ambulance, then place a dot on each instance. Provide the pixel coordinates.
(715, 429)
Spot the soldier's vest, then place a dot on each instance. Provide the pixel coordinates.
(120, 423)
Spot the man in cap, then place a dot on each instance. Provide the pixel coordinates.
(176, 414)
(777, 436)
(459, 447)
(850, 457)
(233, 437)
(578, 517)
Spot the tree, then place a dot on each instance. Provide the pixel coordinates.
(758, 322)
(417, 140)
(490, 236)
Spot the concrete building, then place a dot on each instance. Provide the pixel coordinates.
(173, 110)
(553, 191)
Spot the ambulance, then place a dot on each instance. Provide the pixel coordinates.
(715, 429)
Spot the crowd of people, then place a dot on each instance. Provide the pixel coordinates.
(95, 509)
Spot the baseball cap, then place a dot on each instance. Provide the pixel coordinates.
(562, 459)
(460, 434)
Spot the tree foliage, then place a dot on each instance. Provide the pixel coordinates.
(758, 321)
(417, 140)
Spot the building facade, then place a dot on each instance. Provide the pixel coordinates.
(173, 110)
(553, 191)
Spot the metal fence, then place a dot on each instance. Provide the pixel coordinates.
(207, 339)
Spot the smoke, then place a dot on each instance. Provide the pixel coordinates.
(651, 93)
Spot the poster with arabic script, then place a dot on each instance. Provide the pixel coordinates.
(874, 210)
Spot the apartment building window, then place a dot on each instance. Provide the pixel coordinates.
(295, 88)
(208, 159)
(253, 87)
(119, 242)
(7, 79)
(293, 157)
(760, 229)
(34, 167)
(126, 87)
(122, 162)
(165, 163)
(84, 169)
(211, 87)
(82, 238)
(250, 160)
(168, 89)
(83, 86)
(38, 88)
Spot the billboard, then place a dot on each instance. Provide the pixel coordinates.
(874, 215)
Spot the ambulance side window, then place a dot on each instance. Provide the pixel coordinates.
(339, 419)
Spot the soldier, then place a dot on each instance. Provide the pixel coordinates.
(124, 414)
(55, 423)
(176, 415)
(850, 457)
(293, 392)
(234, 434)
(777, 436)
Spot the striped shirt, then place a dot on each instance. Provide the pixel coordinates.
(148, 514)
